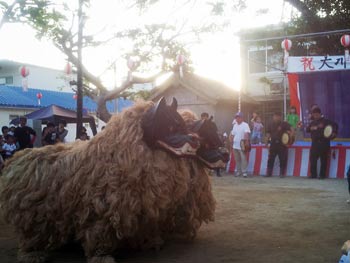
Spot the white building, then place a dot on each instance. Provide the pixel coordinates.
(52, 84)
(39, 77)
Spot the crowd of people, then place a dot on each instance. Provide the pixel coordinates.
(242, 134)
(18, 138)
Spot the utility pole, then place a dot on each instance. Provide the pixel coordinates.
(79, 70)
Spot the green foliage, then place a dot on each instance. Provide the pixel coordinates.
(3, 6)
(319, 16)
(156, 43)
(265, 80)
(220, 6)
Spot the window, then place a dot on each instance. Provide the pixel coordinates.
(6, 80)
(264, 59)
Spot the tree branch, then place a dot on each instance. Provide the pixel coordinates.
(302, 7)
(102, 110)
(113, 94)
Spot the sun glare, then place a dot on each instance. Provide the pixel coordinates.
(216, 57)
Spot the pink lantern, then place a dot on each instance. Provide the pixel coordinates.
(75, 96)
(24, 71)
(68, 69)
(39, 96)
(345, 40)
(181, 59)
(286, 44)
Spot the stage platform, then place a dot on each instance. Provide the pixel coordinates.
(298, 160)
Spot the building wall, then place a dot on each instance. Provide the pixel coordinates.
(6, 113)
(224, 116)
(257, 89)
(223, 113)
(187, 100)
(261, 60)
(39, 77)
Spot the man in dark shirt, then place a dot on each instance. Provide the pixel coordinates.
(320, 145)
(24, 135)
(49, 136)
(274, 135)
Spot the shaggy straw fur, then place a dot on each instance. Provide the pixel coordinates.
(107, 192)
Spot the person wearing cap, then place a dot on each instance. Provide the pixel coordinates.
(320, 145)
(277, 148)
(240, 131)
(24, 135)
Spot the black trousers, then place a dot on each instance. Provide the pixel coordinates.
(319, 151)
(277, 149)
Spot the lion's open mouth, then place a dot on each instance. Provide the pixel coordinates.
(214, 158)
(180, 145)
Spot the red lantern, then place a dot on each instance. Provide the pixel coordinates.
(24, 71)
(180, 59)
(68, 69)
(286, 44)
(345, 40)
(75, 96)
(39, 96)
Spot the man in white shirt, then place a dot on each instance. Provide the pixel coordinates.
(239, 132)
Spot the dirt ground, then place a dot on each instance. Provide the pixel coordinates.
(257, 220)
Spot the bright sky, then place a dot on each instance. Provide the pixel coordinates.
(216, 57)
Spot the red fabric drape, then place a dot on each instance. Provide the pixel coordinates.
(293, 91)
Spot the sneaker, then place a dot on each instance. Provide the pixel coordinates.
(348, 201)
(237, 174)
(245, 175)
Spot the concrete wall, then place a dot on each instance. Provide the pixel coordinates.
(224, 116)
(187, 100)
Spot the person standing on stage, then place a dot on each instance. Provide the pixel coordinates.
(274, 136)
(320, 146)
(240, 131)
(292, 117)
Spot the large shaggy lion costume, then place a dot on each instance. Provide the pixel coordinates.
(111, 191)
